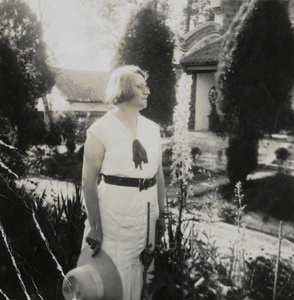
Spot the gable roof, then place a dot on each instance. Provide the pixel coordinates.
(82, 86)
(200, 35)
(208, 55)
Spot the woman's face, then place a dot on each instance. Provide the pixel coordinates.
(141, 92)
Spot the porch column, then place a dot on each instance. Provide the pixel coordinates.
(191, 123)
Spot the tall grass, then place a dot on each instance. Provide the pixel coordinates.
(61, 224)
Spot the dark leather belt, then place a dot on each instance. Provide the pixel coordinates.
(141, 183)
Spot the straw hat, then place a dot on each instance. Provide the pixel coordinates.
(94, 278)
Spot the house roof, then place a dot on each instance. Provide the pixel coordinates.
(82, 86)
(208, 55)
(201, 33)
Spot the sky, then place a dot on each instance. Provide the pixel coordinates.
(68, 45)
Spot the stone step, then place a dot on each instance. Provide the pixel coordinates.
(267, 150)
(207, 142)
(276, 167)
(211, 161)
(213, 150)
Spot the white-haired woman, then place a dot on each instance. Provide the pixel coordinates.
(123, 150)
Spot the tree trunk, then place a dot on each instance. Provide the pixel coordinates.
(191, 123)
(188, 11)
(47, 118)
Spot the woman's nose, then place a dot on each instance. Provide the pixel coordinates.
(146, 91)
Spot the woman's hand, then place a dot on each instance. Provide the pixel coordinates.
(94, 239)
(161, 228)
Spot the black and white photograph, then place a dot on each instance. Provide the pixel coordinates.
(147, 149)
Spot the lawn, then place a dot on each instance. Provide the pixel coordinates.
(267, 198)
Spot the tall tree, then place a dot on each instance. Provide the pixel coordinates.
(195, 12)
(47, 113)
(24, 73)
(109, 18)
(254, 80)
(148, 43)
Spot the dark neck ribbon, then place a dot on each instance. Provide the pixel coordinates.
(139, 154)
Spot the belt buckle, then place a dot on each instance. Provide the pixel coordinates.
(142, 184)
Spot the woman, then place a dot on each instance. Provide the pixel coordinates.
(123, 150)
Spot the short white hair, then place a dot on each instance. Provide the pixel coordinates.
(120, 85)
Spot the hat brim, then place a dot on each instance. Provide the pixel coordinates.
(107, 270)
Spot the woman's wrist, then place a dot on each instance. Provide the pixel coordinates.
(95, 225)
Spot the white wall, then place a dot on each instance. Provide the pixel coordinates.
(204, 82)
(89, 106)
(56, 101)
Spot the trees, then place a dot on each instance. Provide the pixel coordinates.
(194, 11)
(148, 43)
(254, 79)
(109, 18)
(24, 73)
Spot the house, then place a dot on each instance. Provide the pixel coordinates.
(200, 50)
(80, 92)
(201, 47)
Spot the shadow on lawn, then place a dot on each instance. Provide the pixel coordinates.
(272, 196)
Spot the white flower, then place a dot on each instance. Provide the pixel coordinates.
(181, 157)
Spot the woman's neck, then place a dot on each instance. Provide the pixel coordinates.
(128, 116)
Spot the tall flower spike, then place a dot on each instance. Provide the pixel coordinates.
(181, 157)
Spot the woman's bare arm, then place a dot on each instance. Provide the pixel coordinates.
(161, 198)
(93, 157)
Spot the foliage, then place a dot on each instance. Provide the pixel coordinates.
(260, 279)
(107, 21)
(35, 158)
(254, 79)
(195, 12)
(272, 195)
(198, 273)
(253, 66)
(181, 167)
(66, 129)
(25, 75)
(109, 18)
(185, 266)
(228, 212)
(242, 156)
(66, 125)
(81, 129)
(188, 264)
(62, 228)
(148, 43)
(213, 117)
(282, 154)
(181, 157)
(199, 270)
(46, 161)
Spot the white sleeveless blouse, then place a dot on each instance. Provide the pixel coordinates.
(118, 142)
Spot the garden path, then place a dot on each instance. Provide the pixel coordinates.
(254, 243)
(51, 187)
(259, 237)
(259, 233)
